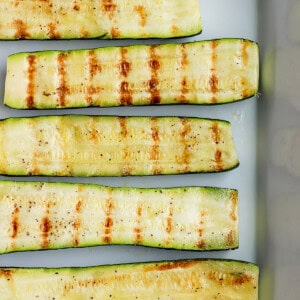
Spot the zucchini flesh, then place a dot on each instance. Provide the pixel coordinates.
(206, 72)
(36, 215)
(78, 145)
(110, 19)
(185, 279)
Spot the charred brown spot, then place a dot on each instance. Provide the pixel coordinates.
(126, 96)
(108, 224)
(137, 229)
(184, 90)
(78, 206)
(76, 7)
(53, 34)
(126, 170)
(230, 238)
(184, 59)
(139, 211)
(76, 226)
(91, 90)
(93, 133)
(109, 7)
(155, 134)
(171, 266)
(240, 279)
(229, 278)
(153, 89)
(154, 64)
(115, 32)
(142, 13)
(154, 152)
(63, 90)
(94, 64)
(213, 83)
(169, 227)
(175, 30)
(45, 228)
(21, 29)
(201, 244)
(124, 66)
(31, 60)
(15, 222)
(218, 160)
(8, 274)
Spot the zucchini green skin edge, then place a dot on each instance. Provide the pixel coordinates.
(106, 19)
(205, 72)
(77, 145)
(37, 215)
(183, 279)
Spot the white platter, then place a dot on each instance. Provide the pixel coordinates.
(231, 18)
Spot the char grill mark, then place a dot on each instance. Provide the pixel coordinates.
(184, 83)
(31, 60)
(108, 222)
(214, 81)
(124, 69)
(216, 135)
(153, 83)
(63, 89)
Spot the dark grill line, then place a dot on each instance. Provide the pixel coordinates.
(154, 155)
(45, 227)
(31, 59)
(137, 229)
(93, 68)
(124, 132)
(183, 63)
(213, 81)
(216, 136)
(186, 151)
(63, 90)
(77, 223)
(108, 222)
(124, 69)
(154, 66)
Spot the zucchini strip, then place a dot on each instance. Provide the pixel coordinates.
(183, 279)
(37, 215)
(206, 72)
(109, 19)
(78, 145)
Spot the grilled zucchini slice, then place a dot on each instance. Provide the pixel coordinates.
(36, 215)
(183, 279)
(206, 72)
(109, 19)
(78, 145)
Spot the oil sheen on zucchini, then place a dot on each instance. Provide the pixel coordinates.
(183, 279)
(206, 72)
(109, 19)
(78, 145)
(36, 215)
